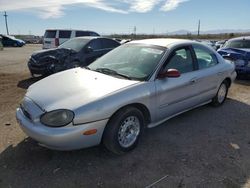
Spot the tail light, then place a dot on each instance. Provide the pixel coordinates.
(56, 42)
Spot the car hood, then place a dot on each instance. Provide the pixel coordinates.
(236, 53)
(74, 88)
(59, 53)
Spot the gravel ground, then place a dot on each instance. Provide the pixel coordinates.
(205, 147)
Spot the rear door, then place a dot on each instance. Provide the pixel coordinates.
(208, 75)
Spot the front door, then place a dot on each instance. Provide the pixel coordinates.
(174, 95)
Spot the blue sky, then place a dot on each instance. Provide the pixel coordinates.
(120, 16)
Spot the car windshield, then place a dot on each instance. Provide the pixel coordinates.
(75, 44)
(130, 61)
(238, 44)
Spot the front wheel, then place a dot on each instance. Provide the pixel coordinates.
(124, 130)
(221, 95)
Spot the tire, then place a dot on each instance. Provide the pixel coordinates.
(221, 94)
(123, 131)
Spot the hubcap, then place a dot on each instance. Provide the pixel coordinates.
(129, 131)
(222, 93)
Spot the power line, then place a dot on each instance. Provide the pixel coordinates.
(6, 23)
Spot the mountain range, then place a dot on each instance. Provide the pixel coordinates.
(220, 31)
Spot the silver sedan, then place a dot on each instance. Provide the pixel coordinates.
(139, 84)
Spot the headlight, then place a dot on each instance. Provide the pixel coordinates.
(57, 118)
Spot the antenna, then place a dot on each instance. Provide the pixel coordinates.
(6, 23)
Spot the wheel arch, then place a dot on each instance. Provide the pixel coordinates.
(228, 81)
(145, 111)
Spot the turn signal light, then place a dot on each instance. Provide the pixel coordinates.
(90, 132)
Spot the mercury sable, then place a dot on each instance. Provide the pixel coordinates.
(139, 84)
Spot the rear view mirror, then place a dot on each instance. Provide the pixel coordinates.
(170, 73)
(88, 50)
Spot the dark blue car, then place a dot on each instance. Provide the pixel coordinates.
(238, 51)
(8, 40)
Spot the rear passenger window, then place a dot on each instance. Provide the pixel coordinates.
(82, 33)
(205, 57)
(64, 34)
(109, 43)
(50, 34)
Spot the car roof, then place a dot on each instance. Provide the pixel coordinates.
(68, 30)
(164, 42)
(240, 38)
(93, 37)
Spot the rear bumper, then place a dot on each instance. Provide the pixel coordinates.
(63, 138)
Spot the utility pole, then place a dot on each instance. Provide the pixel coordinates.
(6, 23)
(134, 32)
(199, 25)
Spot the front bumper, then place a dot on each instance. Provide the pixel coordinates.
(64, 138)
(40, 70)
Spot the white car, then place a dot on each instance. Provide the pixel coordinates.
(139, 84)
(55, 37)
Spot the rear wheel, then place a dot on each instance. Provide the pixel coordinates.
(123, 131)
(221, 95)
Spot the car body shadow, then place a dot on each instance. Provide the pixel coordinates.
(24, 84)
(192, 149)
(243, 81)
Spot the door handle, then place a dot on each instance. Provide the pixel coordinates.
(219, 73)
(193, 80)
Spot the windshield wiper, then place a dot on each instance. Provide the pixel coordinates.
(112, 72)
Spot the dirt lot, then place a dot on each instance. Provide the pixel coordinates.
(196, 149)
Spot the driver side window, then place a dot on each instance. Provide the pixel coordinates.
(181, 59)
(95, 44)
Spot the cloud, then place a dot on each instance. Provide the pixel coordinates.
(172, 4)
(143, 6)
(55, 8)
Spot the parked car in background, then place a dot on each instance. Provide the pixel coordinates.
(55, 37)
(11, 41)
(237, 50)
(1, 44)
(208, 43)
(79, 51)
(219, 44)
(139, 84)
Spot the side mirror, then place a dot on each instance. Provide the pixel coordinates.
(170, 73)
(89, 50)
(227, 57)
